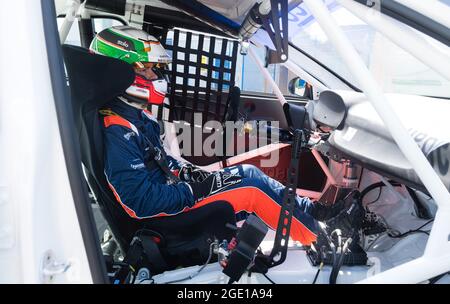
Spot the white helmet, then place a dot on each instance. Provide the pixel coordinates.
(136, 47)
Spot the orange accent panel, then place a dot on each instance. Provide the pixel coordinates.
(148, 112)
(130, 212)
(116, 120)
(251, 199)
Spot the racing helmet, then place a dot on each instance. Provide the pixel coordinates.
(142, 50)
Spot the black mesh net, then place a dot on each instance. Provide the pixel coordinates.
(201, 74)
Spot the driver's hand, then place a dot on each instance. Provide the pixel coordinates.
(190, 173)
(213, 184)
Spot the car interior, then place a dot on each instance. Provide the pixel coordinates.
(207, 59)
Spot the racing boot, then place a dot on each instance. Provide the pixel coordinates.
(351, 216)
(322, 212)
(347, 214)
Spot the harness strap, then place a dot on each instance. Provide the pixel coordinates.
(158, 155)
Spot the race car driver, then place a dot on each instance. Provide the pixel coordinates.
(147, 182)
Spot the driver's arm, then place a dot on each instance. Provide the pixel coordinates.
(142, 193)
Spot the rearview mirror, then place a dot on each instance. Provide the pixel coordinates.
(300, 87)
(297, 86)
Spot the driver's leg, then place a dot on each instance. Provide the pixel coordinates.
(262, 195)
(252, 171)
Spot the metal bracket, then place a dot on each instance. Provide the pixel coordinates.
(280, 248)
(50, 267)
(373, 4)
(276, 25)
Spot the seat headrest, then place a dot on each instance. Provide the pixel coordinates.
(95, 79)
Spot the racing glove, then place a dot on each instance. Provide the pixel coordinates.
(190, 173)
(213, 184)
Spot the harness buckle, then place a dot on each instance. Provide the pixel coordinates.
(158, 154)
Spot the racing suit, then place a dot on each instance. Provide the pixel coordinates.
(143, 190)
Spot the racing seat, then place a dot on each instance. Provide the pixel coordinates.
(183, 240)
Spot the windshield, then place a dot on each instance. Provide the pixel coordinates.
(394, 69)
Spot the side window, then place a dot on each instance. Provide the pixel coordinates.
(74, 35)
(250, 79)
(100, 23)
(103, 23)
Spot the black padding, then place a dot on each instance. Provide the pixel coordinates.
(109, 6)
(296, 116)
(330, 110)
(233, 102)
(198, 220)
(187, 236)
(94, 81)
(232, 114)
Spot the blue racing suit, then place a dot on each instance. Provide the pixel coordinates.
(143, 191)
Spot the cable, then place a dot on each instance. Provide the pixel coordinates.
(430, 221)
(265, 275)
(412, 231)
(337, 266)
(330, 243)
(338, 233)
(396, 234)
(198, 271)
(151, 281)
(437, 278)
(375, 186)
(360, 179)
(375, 200)
(408, 233)
(317, 273)
(134, 278)
(422, 212)
(335, 258)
